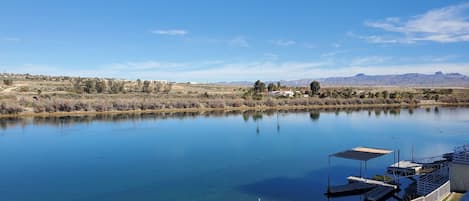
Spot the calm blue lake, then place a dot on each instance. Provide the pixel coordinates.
(270, 156)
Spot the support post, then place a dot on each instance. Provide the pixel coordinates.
(365, 169)
(329, 175)
(360, 168)
(398, 160)
(412, 153)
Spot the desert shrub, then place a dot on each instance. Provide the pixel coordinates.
(63, 106)
(44, 105)
(270, 103)
(8, 82)
(23, 89)
(180, 104)
(38, 108)
(194, 104)
(81, 106)
(250, 103)
(101, 106)
(10, 108)
(281, 102)
(234, 103)
(449, 99)
(125, 105)
(151, 105)
(217, 103)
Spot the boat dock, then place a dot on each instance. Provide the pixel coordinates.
(379, 193)
(431, 178)
(350, 188)
(405, 168)
(353, 179)
(373, 189)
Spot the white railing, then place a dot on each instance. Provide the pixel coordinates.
(438, 194)
(429, 182)
(461, 154)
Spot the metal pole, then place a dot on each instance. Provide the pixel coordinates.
(329, 175)
(398, 160)
(360, 168)
(394, 172)
(412, 153)
(365, 169)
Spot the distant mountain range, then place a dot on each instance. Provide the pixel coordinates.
(437, 79)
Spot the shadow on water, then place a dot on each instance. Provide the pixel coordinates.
(311, 186)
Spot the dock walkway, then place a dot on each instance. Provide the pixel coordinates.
(350, 188)
(370, 181)
(378, 193)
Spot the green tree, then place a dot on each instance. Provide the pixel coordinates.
(101, 86)
(314, 86)
(385, 94)
(8, 82)
(114, 86)
(146, 86)
(259, 86)
(77, 85)
(90, 86)
(271, 87)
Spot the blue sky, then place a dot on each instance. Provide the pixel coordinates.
(207, 41)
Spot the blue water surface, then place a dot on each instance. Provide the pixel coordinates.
(270, 156)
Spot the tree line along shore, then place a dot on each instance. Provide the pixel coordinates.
(30, 94)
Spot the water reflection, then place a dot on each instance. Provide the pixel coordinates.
(211, 155)
(303, 188)
(314, 115)
(253, 115)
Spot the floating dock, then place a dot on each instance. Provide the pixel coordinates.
(353, 179)
(405, 168)
(379, 193)
(350, 188)
(376, 189)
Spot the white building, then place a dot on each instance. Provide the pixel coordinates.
(281, 93)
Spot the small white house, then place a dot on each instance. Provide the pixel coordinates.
(281, 93)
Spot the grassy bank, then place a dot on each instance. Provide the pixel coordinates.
(26, 95)
(227, 109)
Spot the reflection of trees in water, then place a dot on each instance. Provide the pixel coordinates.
(394, 111)
(314, 115)
(256, 116)
(278, 124)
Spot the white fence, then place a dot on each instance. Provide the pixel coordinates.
(461, 155)
(437, 195)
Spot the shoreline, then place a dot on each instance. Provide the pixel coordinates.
(226, 109)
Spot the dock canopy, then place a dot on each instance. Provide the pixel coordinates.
(362, 153)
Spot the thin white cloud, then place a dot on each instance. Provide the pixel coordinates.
(380, 39)
(369, 60)
(333, 53)
(309, 45)
(271, 56)
(10, 39)
(239, 41)
(171, 32)
(336, 45)
(443, 25)
(146, 66)
(283, 42)
(439, 58)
